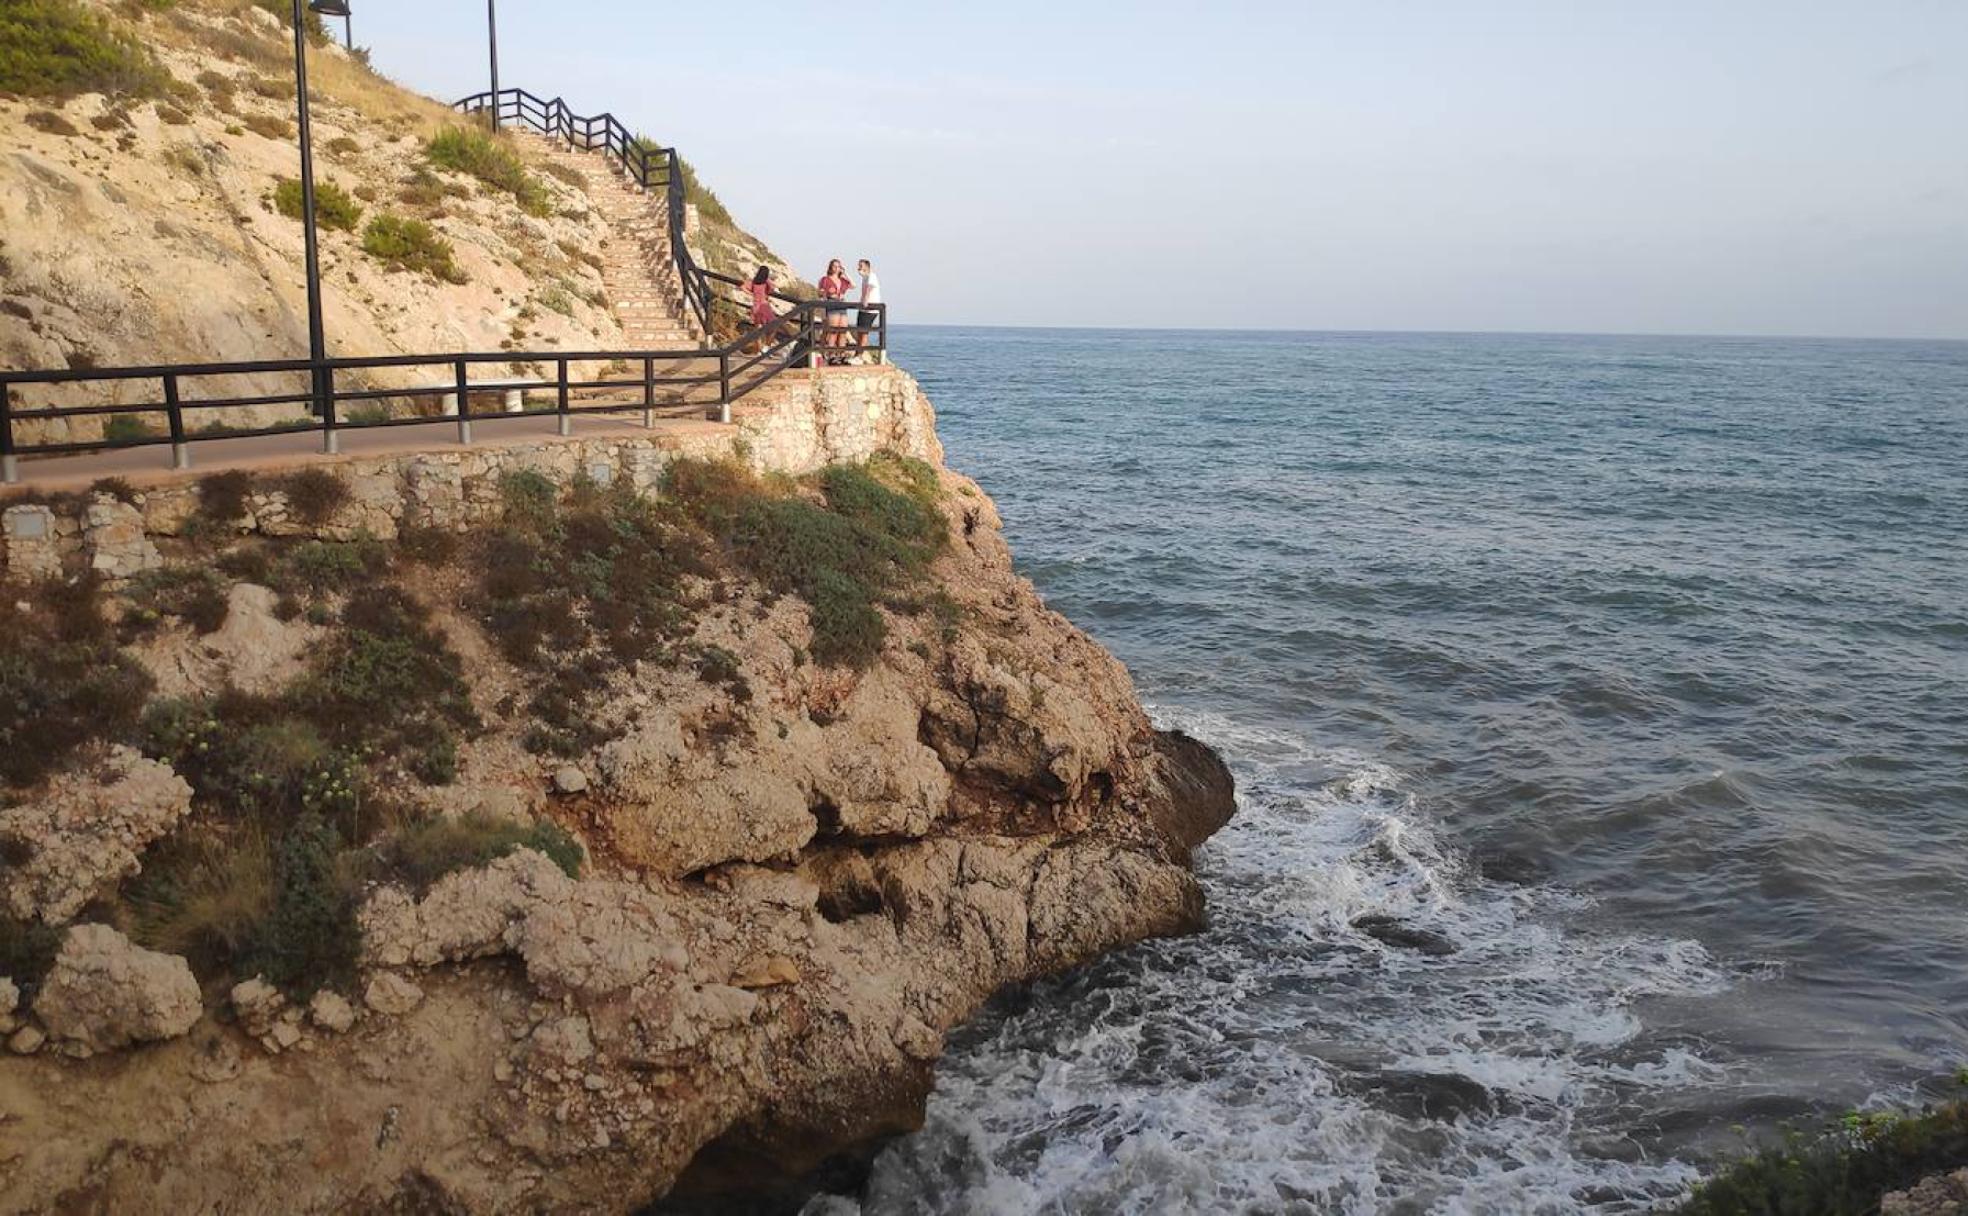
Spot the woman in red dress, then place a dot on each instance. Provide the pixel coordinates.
(762, 313)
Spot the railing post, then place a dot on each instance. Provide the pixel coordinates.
(174, 417)
(9, 465)
(464, 402)
(724, 386)
(566, 421)
(331, 434)
(648, 393)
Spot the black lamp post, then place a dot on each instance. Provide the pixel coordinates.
(317, 340)
(492, 37)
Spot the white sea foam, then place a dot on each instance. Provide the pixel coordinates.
(1284, 1061)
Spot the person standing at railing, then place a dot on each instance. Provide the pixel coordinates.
(871, 296)
(834, 286)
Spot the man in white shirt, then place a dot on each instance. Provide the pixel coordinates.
(864, 324)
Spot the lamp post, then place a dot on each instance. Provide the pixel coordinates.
(317, 340)
(492, 37)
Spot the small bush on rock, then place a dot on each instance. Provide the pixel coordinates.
(63, 682)
(840, 556)
(491, 160)
(1843, 1173)
(222, 496)
(270, 127)
(333, 206)
(315, 496)
(407, 244)
(429, 849)
(27, 951)
(196, 596)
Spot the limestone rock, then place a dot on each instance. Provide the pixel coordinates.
(392, 995)
(570, 780)
(1939, 1195)
(772, 972)
(84, 831)
(26, 1041)
(9, 1001)
(254, 651)
(257, 1003)
(113, 537)
(104, 993)
(332, 1012)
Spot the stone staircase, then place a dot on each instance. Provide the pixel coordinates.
(637, 271)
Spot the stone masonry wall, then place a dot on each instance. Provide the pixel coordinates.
(797, 424)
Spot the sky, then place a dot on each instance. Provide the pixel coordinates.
(1675, 166)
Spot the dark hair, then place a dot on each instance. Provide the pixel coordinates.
(763, 276)
(865, 262)
(833, 262)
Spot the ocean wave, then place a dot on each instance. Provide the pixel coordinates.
(1287, 1059)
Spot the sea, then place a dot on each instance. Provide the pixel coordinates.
(1630, 674)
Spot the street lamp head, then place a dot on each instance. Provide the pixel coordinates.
(329, 8)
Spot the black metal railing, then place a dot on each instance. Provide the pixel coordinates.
(650, 167)
(614, 382)
(346, 394)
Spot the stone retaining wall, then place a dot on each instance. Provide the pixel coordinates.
(796, 424)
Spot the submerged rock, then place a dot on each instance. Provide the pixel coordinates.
(1393, 931)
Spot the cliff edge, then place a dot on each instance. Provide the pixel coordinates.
(581, 845)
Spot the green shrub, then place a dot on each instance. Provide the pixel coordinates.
(1842, 1173)
(310, 938)
(427, 850)
(343, 145)
(407, 244)
(63, 681)
(196, 596)
(319, 567)
(58, 48)
(314, 495)
(388, 680)
(27, 951)
(492, 160)
(867, 539)
(127, 428)
(333, 206)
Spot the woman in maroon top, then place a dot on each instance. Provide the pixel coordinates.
(834, 286)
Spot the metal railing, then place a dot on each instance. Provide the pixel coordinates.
(630, 381)
(650, 167)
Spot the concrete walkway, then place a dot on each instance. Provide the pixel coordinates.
(151, 465)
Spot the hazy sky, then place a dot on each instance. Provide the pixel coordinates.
(1689, 166)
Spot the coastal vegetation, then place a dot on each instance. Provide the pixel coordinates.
(401, 243)
(1842, 1172)
(58, 48)
(333, 206)
(493, 161)
(304, 795)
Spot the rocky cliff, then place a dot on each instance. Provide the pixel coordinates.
(549, 824)
(609, 846)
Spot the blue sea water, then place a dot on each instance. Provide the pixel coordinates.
(1636, 667)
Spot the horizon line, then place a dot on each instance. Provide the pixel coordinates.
(1461, 333)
